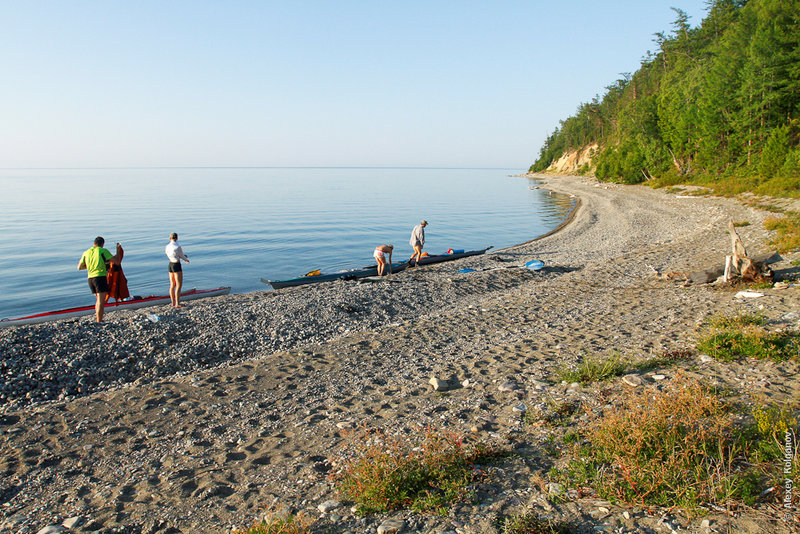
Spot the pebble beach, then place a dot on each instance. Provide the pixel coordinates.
(201, 420)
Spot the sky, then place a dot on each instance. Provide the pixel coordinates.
(419, 83)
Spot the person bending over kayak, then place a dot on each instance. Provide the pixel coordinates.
(95, 261)
(175, 255)
(380, 256)
(418, 240)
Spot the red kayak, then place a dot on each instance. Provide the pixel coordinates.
(132, 304)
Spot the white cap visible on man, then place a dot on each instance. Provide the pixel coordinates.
(423, 222)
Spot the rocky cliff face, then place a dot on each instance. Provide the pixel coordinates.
(573, 160)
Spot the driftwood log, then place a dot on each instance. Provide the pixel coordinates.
(738, 265)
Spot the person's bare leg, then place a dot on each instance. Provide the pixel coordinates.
(178, 287)
(417, 253)
(380, 266)
(99, 307)
(173, 282)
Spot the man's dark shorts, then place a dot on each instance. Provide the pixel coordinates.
(98, 284)
(175, 267)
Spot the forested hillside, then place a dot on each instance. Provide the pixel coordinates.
(718, 103)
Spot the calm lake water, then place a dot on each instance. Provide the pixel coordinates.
(240, 224)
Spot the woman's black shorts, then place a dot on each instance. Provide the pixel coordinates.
(175, 267)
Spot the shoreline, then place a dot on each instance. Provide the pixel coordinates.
(8, 322)
(227, 406)
(309, 243)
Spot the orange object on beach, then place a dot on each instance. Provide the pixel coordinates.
(117, 283)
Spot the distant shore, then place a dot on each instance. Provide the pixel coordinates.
(200, 420)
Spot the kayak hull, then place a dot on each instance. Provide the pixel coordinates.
(134, 304)
(344, 275)
(368, 271)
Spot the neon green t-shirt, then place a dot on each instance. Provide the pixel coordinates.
(95, 259)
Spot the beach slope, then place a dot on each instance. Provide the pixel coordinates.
(199, 421)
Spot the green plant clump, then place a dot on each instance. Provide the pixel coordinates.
(745, 336)
(529, 523)
(665, 359)
(676, 447)
(594, 369)
(788, 230)
(775, 454)
(278, 523)
(425, 475)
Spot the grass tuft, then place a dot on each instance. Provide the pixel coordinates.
(280, 523)
(665, 359)
(674, 447)
(745, 336)
(602, 368)
(788, 230)
(425, 474)
(529, 523)
(594, 369)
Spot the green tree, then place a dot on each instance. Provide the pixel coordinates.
(720, 100)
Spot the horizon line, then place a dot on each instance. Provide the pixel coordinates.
(257, 167)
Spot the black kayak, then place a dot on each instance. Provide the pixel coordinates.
(355, 274)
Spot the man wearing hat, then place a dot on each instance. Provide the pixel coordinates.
(418, 240)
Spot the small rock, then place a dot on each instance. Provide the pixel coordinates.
(51, 529)
(659, 377)
(705, 523)
(575, 385)
(344, 425)
(539, 385)
(519, 408)
(603, 510)
(328, 505)
(72, 522)
(705, 358)
(391, 526)
(626, 515)
(444, 385)
(632, 380)
(508, 386)
(748, 295)
(554, 488)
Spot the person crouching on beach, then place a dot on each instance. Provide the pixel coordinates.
(175, 255)
(95, 261)
(418, 240)
(380, 256)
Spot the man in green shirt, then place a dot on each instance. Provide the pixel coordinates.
(95, 261)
